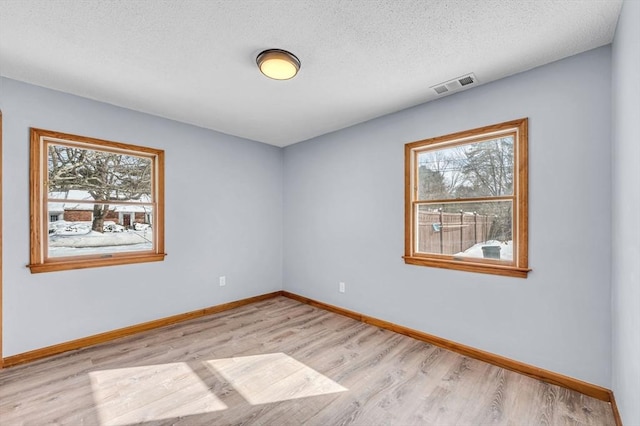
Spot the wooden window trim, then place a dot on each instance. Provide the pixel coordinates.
(519, 267)
(39, 262)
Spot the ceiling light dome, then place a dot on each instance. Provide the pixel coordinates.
(278, 64)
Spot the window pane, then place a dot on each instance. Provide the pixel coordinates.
(475, 230)
(94, 202)
(480, 169)
(99, 229)
(85, 174)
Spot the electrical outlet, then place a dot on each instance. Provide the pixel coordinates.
(341, 287)
(223, 281)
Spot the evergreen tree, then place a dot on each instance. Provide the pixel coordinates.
(489, 167)
(431, 184)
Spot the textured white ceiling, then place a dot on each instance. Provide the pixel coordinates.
(194, 60)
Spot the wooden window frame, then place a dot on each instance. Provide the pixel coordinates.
(518, 267)
(39, 260)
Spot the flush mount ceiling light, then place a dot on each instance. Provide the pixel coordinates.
(278, 64)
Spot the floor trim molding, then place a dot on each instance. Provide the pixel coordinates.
(614, 408)
(127, 331)
(586, 388)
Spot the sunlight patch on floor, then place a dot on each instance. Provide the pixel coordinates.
(127, 396)
(262, 379)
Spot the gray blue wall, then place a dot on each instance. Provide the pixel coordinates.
(344, 210)
(223, 217)
(342, 204)
(626, 206)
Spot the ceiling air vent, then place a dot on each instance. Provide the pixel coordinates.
(455, 84)
(465, 80)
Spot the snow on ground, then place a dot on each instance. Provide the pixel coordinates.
(96, 239)
(77, 238)
(506, 249)
(80, 251)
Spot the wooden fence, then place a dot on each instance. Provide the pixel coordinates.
(451, 233)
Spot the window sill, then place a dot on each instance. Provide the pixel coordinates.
(484, 268)
(68, 264)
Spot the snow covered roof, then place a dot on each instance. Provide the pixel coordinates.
(78, 195)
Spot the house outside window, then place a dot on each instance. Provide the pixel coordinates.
(466, 200)
(95, 184)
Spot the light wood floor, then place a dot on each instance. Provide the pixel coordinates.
(280, 362)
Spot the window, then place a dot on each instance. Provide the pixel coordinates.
(466, 200)
(94, 202)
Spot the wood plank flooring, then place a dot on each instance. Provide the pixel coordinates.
(280, 362)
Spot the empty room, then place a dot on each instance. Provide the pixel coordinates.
(331, 212)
